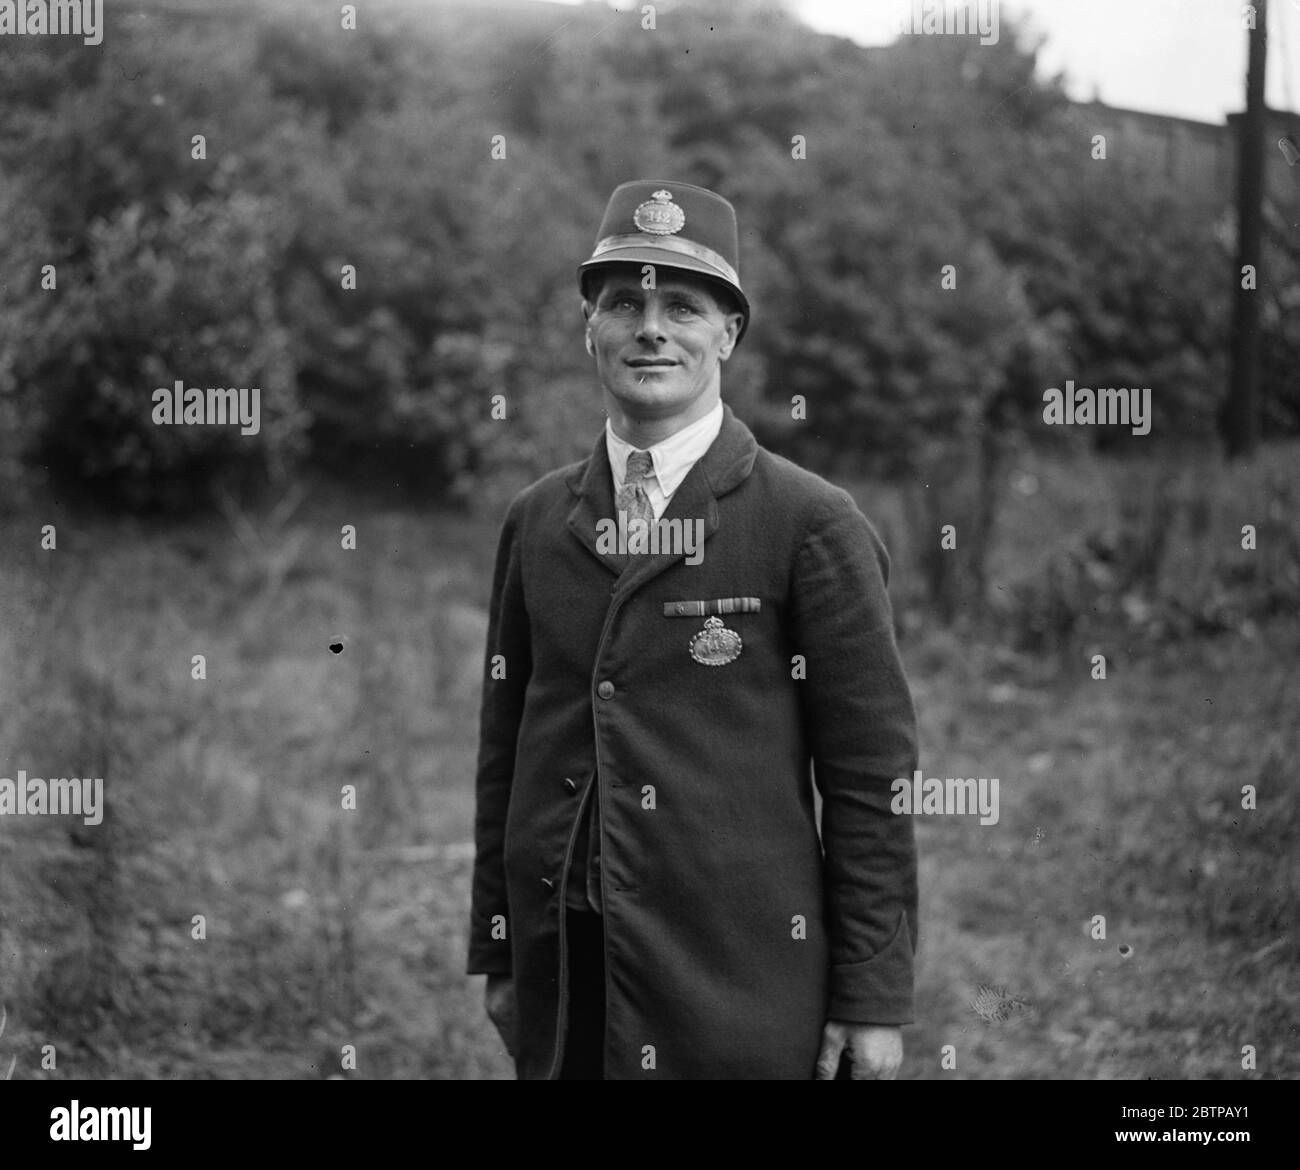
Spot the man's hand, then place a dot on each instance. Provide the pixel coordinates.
(499, 998)
(875, 1050)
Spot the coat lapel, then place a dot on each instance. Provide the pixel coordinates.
(729, 459)
(593, 483)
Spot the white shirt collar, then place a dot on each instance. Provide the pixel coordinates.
(674, 457)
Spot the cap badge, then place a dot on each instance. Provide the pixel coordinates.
(659, 215)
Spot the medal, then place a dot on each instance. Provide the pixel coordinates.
(715, 645)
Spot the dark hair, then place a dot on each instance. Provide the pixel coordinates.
(593, 283)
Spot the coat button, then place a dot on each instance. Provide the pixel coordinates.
(605, 690)
(570, 785)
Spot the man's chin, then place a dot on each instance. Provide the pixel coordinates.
(656, 390)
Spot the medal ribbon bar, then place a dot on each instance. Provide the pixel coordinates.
(709, 608)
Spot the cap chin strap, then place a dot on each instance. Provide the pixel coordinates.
(667, 244)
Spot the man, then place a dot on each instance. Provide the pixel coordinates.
(651, 897)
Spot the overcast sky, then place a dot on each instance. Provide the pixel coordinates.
(1185, 57)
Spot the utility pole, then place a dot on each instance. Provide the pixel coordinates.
(1241, 414)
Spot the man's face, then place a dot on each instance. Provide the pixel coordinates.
(658, 350)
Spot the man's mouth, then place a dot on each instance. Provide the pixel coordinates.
(650, 363)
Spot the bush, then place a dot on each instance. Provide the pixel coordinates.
(186, 296)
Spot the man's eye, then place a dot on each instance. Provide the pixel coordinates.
(682, 308)
(623, 303)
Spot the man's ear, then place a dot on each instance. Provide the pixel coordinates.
(733, 324)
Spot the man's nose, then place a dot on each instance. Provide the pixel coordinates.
(652, 322)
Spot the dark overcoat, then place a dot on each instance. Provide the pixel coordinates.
(732, 931)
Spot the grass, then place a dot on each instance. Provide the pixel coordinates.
(1119, 798)
(326, 927)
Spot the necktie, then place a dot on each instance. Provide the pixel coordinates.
(632, 497)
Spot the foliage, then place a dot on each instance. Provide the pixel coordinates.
(157, 305)
(372, 148)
